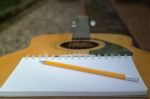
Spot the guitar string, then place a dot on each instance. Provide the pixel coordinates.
(77, 40)
(76, 43)
(75, 46)
(73, 43)
(70, 45)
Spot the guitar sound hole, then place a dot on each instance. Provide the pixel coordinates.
(79, 44)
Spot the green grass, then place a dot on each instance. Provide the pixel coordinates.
(10, 7)
(7, 6)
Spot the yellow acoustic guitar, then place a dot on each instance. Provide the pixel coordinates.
(80, 42)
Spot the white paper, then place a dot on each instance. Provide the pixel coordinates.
(32, 78)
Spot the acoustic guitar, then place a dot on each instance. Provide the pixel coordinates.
(80, 42)
(74, 44)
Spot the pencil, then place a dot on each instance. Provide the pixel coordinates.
(91, 70)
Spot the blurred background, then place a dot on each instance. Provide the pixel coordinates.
(20, 20)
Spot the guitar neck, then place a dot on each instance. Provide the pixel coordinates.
(81, 28)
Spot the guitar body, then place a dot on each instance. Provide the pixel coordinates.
(62, 44)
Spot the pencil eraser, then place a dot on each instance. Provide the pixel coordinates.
(132, 78)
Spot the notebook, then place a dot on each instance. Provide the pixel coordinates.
(32, 78)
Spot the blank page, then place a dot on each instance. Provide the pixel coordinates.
(32, 78)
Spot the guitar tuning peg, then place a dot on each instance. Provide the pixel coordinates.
(93, 23)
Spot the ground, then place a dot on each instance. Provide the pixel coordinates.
(50, 16)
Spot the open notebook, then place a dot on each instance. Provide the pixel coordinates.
(32, 78)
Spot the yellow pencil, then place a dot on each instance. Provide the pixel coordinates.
(90, 70)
